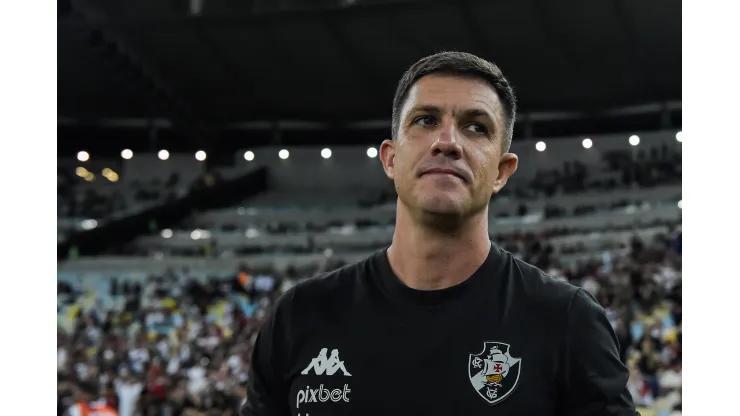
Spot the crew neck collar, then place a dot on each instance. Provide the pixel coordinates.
(399, 292)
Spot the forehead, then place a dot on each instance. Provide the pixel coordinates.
(450, 92)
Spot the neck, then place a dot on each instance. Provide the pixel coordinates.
(426, 258)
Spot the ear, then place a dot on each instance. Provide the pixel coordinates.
(388, 157)
(506, 167)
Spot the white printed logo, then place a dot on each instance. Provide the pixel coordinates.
(330, 365)
(322, 395)
(493, 372)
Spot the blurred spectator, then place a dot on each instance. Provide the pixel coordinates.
(180, 345)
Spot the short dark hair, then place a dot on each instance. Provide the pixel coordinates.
(458, 64)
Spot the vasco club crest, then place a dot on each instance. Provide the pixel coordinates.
(494, 373)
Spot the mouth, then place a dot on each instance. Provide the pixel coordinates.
(441, 171)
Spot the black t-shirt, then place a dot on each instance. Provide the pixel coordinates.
(507, 341)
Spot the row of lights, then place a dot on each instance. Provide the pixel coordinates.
(163, 154)
(89, 176)
(372, 152)
(200, 155)
(588, 143)
(127, 154)
(325, 153)
(195, 234)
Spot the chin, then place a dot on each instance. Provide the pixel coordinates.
(443, 206)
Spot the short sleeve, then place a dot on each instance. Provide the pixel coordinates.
(267, 393)
(593, 378)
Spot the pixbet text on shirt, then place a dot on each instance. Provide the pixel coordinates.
(322, 395)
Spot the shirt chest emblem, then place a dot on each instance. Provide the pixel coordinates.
(494, 372)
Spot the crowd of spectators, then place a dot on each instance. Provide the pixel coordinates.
(167, 345)
(79, 197)
(538, 243)
(654, 166)
(645, 168)
(180, 343)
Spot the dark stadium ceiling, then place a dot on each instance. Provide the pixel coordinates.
(238, 62)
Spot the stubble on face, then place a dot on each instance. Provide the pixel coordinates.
(448, 122)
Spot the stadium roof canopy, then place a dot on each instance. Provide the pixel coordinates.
(235, 64)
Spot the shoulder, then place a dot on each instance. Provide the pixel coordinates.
(538, 287)
(571, 309)
(336, 286)
(333, 283)
(324, 295)
(578, 311)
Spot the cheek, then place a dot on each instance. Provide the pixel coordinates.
(486, 169)
(403, 164)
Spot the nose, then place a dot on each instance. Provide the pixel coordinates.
(447, 142)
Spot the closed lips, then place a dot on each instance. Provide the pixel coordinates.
(444, 171)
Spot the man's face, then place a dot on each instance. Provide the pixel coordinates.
(447, 159)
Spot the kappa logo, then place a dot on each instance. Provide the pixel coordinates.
(493, 372)
(330, 366)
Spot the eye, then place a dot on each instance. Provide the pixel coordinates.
(426, 121)
(477, 128)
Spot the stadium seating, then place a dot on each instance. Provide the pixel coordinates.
(188, 300)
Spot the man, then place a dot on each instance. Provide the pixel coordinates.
(442, 322)
(129, 390)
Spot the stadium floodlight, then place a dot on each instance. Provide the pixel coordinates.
(326, 153)
(372, 152)
(634, 140)
(83, 156)
(200, 155)
(587, 143)
(284, 154)
(540, 146)
(163, 154)
(249, 155)
(127, 154)
(88, 224)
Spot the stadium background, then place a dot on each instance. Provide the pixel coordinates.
(269, 112)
